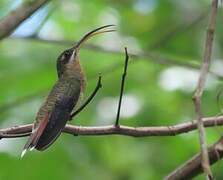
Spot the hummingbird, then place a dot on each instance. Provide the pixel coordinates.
(62, 99)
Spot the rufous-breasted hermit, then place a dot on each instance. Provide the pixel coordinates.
(56, 110)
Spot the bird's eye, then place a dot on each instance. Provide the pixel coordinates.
(67, 54)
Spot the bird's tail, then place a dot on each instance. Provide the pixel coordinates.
(25, 150)
(30, 145)
(35, 135)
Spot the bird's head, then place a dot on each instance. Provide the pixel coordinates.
(70, 57)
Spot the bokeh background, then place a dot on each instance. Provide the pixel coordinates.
(168, 38)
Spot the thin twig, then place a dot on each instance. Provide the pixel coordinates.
(18, 131)
(99, 85)
(11, 21)
(122, 86)
(192, 167)
(200, 88)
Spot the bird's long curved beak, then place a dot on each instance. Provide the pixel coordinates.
(103, 29)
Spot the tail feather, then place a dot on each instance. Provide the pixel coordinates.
(35, 135)
(23, 153)
(57, 121)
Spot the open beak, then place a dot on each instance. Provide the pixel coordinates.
(100, 30)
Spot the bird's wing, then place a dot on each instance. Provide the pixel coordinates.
(50, 126)
(57, 121)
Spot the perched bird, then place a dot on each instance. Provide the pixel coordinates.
(56, 110)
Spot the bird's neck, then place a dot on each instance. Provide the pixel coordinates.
(75, 72)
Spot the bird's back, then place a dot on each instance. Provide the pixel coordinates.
(64, 88)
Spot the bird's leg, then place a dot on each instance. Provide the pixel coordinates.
(99, 85)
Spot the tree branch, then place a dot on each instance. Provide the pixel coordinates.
(193, 167)
(43, 22)
(10, 22)
(24, 130)
(200, 88)
(144, 55)
(148, 56)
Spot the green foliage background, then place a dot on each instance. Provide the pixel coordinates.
(163, 27)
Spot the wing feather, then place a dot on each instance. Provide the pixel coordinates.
(53, 115)
(58, 119)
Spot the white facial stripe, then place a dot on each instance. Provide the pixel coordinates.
(72, 57)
